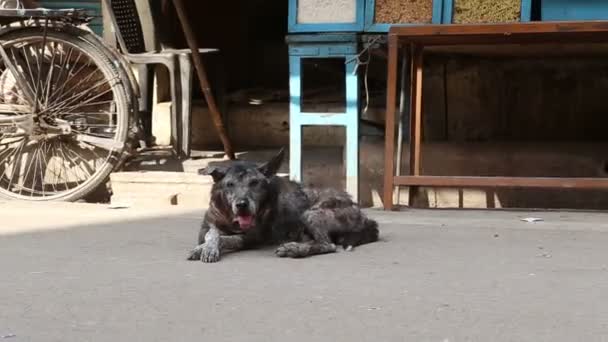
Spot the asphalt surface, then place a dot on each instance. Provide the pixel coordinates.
(89, 273)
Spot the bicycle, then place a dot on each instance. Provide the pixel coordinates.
(68, 106)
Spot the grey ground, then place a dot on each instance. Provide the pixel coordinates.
(89, 273)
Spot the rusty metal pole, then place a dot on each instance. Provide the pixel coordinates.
(202, 77)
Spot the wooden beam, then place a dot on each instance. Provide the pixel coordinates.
(503, 182)
(389, 142)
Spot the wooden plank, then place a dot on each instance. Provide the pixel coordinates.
(503, 182)
(508, 30)
(494, 34)
(389, 142)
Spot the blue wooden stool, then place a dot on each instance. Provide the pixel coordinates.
(324, 46)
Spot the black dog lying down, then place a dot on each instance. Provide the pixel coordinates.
(250, 206)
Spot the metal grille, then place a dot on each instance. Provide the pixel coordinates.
(127, 20)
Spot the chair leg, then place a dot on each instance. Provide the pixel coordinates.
(145, 74)
(175, 103)
(295, 112)
(185, 75)
(352, 131)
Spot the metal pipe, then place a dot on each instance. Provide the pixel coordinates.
(202, 77)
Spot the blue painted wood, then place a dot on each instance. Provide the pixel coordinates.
(298, 51)
(372, 26)
(322, 38)
(448, 11)
(295, 27)
(526, 10)
(574, 10)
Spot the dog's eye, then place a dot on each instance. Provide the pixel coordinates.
(230, 185)
(254, 183)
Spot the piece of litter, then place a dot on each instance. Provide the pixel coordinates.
(8, 336)
(532, 274)
(370, 308)
(532, 219)
(544, 255)
(118, 206)
(256, 102)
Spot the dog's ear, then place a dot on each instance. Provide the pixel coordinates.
(217, 172)
(271, 167)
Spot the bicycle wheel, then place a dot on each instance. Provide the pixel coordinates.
(78, 114)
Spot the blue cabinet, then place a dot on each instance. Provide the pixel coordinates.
(560, 10)
(326, 15)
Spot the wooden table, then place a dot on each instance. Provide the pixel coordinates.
(413, 40)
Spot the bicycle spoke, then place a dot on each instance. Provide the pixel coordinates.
(65, 158)
(16, 162)
(72, 100)
(28, 167)
(36, 160)
(46, 164)
(80, 164)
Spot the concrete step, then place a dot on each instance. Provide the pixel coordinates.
(160, 188)
(323, 167)
(170, 182)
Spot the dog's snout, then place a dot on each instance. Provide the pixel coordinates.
(242, 204)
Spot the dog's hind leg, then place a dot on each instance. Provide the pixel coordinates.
(304, 249)
(315, 222)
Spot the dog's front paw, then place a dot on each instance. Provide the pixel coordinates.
(210, 254)
(195, 254)
(292, 250)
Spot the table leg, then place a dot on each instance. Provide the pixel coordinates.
(415, 118)
(389, 144)
(403, 115)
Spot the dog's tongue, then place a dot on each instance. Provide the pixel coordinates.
(245, 221)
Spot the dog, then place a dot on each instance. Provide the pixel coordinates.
(251, 206)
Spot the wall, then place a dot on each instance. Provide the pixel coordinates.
(249, 33)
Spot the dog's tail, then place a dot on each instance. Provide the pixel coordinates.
(370, 231)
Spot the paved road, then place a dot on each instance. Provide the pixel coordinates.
(87, 273)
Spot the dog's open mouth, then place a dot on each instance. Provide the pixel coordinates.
(245, 221)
